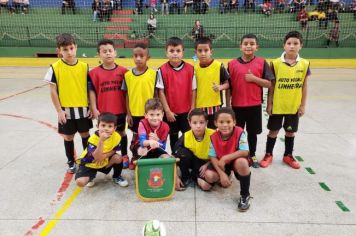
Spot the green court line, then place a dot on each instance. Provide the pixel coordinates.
(324, 186)
(342, 206)
(299, 158)
(310, 170)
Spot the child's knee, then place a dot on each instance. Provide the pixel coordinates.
(290, 134)
(241, 166)
(211, 176)
(84, 134)
(81, 182)
(116, 158)
(204, 185)
(68, 137)
(273, 133)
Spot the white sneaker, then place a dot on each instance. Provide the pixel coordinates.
(90, 184)
(121, 181)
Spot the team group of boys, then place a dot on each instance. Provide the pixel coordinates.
(179, 97)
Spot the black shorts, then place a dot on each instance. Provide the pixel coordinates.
(84, 171)
(251, 117)
(155, 153)
(75, 125)
(290, 122)
(121, 122)
(135, 122)
(228, 168)
(211, 120)
(181, 124)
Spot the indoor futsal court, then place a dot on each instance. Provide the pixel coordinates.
(39, 198)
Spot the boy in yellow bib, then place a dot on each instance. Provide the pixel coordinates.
(212, 78)
(287, 98)
(101, 154)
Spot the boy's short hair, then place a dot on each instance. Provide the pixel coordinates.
(293, 34)
(107, 117)
(142, 46)
(65, 39)
(197, 112)
(203, 40)
(153, 104)
(104, 42)
(174, 41)
(249, 36)
(226, 110)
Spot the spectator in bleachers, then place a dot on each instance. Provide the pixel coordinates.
(234, 4)
(197, 31)
(153, 5)
(302, 17)
(5, 4)
(164, 7)
(201, 6)
(250, 4)
(334, 34)
(69, 4)
(223, 6)
(105, 11)
(267, 7)
(96, 6)
(17, 6)
(151, 25)
(116, 4)
(188, 3)
(25, 6)
(298, 4)
(280, 5)
(334, 4)
(174, 6)
(321, 5)
(139, 6)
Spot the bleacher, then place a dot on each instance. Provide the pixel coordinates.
(44, 21)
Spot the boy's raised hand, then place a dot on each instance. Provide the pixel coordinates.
(249, 77)
(62, 117)
(103, 135)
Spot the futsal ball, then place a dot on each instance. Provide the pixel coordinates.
(154, 228)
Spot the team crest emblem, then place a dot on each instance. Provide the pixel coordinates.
(156, 178)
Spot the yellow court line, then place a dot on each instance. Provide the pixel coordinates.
(155, 63)
(60, 212)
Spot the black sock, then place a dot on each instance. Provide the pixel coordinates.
(123, 145)
(69, 148)
(252, 142)
(85, 142)
(270, 144)
(173, 139)
(289, 145)
(244, 184)
(117, 170)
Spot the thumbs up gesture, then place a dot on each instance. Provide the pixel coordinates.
(249, 77)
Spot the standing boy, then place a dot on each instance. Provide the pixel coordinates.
(287, 98)
(68, 78)
(177, 88)
(105, 90)
(140, 86)
(248, 75)
(212, 78)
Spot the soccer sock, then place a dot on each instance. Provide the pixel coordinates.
(270, 144)
(123, 145)
(244, 184)
(289, 145)
(85, 142)
(69, 148)
(173, 139)
(117, 170)
(252, 142)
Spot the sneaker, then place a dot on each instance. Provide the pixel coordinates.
(267, 160)
(255, 163)
(120, 181)
(71, 168)
(289, 160)
(125, 162)
(90, 184)
(244, 203)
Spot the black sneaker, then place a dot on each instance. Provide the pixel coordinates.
(255, 163)
(71, 168)
(244, 203)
